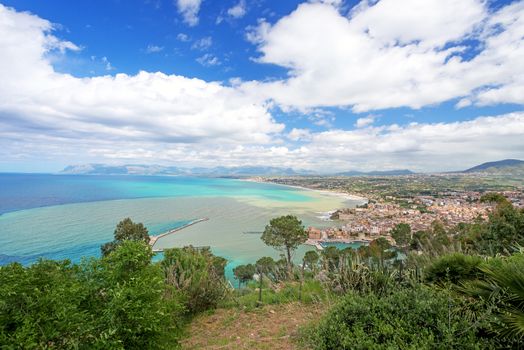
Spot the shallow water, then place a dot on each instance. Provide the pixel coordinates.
(237, 210)
(342, 245)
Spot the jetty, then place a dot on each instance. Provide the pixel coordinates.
(314, 243)
(154, 239)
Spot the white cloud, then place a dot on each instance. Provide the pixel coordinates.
(320, 117)
(438, 146)
(154, 49)
(107, 64)
(258, 34)
(501, 60)
(365, 121)
(392, 53)
(237, 11)
(153, 108)
(299, 135)
(170, 119)
(183, 37)
(202, 44)
(189, 10)
(208, 60)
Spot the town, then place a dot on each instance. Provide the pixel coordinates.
(399, 201)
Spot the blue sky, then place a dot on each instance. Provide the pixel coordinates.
(323, 85)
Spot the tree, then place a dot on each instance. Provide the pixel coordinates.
(493, 197)
(331, 257)
(285, 233)
(419, 240)
(380, 249)
(311, 259)
(265, 265)
(505, 230)
(244, 273)
(401, 233)
(126, 230)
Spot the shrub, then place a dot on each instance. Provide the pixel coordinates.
(197, 275)
(116, 302)
(454, 268)
(418, 318)
(502, 284)
(41, 306)
(129, 306)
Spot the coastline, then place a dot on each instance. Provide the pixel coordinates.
(344, 195)
(317, 243)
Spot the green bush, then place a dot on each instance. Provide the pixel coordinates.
(419, 318)
(126, 295)
(454, 268)
(197, 276)
(117, 302)
(41, 306)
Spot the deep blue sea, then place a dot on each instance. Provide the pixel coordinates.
(70, 216)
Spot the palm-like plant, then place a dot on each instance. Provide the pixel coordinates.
(503, 284)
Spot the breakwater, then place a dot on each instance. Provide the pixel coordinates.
(154, 239)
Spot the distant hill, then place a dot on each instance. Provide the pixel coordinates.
(138, 169)
(220, 171)
(377, 173)
(130, 169)
(506, 166)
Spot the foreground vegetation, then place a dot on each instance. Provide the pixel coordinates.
(456, 289)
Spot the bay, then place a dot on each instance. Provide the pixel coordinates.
(70, 216)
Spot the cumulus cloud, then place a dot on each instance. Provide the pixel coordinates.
(420, 147)
(299, 135)
(237, 11)
(148, 107)
(183, 37)
(189, 10)
(171, 119)
(365, 121)
(208, 60)
(391, 53)
(437, 146)
(202, 44)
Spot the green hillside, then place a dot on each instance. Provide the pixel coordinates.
(502, 167)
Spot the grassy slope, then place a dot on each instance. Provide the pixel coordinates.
(270, 327)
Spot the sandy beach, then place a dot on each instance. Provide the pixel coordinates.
(344, 195)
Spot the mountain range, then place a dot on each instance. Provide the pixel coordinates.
(140, 169)
(506, 166)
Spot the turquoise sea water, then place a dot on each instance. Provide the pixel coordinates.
(64, 216)
(340, 245)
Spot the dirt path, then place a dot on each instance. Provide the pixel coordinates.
(272, 327)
